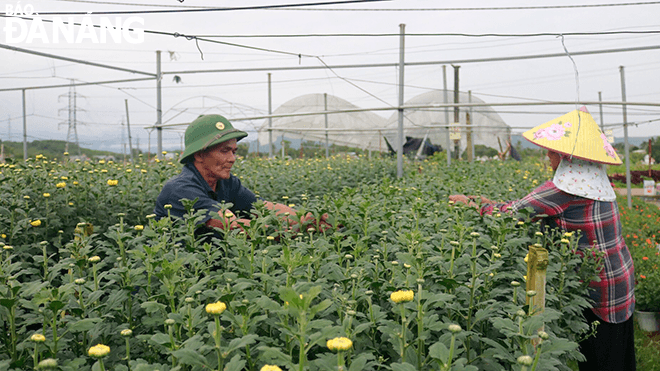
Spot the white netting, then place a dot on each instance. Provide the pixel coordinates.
(353, 124)
(488, 125)
(366, 130)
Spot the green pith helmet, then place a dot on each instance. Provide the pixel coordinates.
(207, 131)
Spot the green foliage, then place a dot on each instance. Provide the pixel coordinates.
(286, 291)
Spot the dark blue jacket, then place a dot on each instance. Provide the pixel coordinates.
(190, 184)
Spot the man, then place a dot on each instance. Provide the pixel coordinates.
(210, 153)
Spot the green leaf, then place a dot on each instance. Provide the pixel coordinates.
(320, 307)
(241, 342)
(55, 305)
(83, 324)
(359, 362)
(152, 307)
(160, 338)
(190, 357)
(236, 364)
(8, 303)
(439, 351)
(403, 367)
(557, 345)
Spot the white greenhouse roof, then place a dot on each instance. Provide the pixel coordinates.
(350, 129)
(367, 130)
(488, 125)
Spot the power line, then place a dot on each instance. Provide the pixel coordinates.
(174, 34)
(198, 10)
(541, 7)
(400, 9)
(445, 34)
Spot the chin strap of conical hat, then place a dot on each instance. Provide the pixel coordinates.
(577, 91)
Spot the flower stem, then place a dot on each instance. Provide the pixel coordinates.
(403, 331)
(218, 331)
(128, 354)
(35, 356)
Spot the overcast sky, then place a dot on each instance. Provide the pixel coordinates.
(342, 34)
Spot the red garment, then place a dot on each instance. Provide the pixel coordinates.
(598, 221)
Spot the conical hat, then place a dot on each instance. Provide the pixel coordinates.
(575, 134)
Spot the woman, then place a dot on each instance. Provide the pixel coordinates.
(580, 197)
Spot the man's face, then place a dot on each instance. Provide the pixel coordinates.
(218, 160)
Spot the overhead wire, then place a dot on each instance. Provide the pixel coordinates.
(207, 9)
(538, 7)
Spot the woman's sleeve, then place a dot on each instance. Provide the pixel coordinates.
(547, 200)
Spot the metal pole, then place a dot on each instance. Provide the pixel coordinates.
(159, 107)
(600, 105)
(25, 154)
(128, 126)
(444, 80)
(399, 145)
(625, 134)
(457, 143)
(53, 56)
(75, 129)
(270, 120)
(468, 135)
(325, 108)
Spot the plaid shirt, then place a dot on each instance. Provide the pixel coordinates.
(613, 297)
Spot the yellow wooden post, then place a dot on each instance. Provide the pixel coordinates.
(537, 265)
(84, 230)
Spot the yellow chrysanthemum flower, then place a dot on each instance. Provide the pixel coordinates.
(60, 185)
(340, 343)
(98, 351)
(38, 338)
(402, 296)
(46, 195)
(216, 308)
(139, 227)
(35, 223)
(270, 368)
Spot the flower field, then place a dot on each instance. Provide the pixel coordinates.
(405, 281)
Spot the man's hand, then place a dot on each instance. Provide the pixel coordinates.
(462, 199)
(320, 225)
(227, 221)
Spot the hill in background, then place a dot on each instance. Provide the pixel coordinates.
(51, 149)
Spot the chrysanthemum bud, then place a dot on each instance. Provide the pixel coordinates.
(47, 364)
(402, 296)
(37, 338)
(98, 351)
(454, 328)
(216, 308)
(525, 360)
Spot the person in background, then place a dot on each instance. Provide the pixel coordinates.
(580, 197)
(210, 153)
